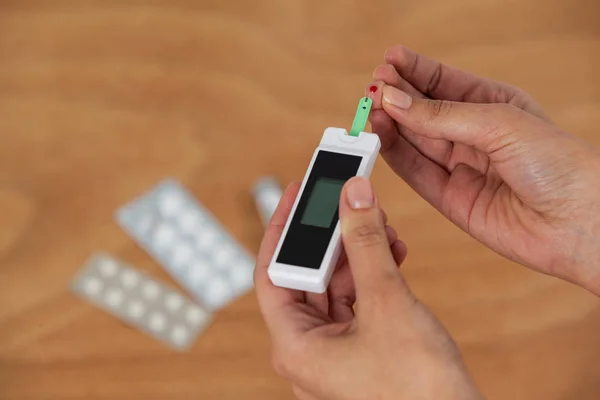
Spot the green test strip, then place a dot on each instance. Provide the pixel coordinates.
(362, 116)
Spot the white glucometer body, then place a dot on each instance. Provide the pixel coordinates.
(310, 245)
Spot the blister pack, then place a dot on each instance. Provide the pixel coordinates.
(188, 241)
(140, 301)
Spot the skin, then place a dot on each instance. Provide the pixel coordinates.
(487, 157)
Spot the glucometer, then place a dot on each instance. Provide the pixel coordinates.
(310, 245)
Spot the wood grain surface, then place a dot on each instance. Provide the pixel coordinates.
(101, 99)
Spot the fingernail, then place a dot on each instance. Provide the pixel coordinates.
(396, 97)
(360, 193)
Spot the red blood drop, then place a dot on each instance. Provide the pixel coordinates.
(373, 89)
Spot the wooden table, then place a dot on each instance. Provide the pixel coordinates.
(101, 99)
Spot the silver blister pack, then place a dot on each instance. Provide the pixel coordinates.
(140, 301)
(188, 241)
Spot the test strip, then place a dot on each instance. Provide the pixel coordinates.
(188, 241)
(140, 301)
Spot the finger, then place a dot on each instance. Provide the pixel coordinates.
(342, 295)
(341, 289)
(365, 240)
(399, 251)
(384, 217)
(392, 236)
(270, 297)
(388, 75)
(319, 301)
(503, 132)
(443, 82)
(436, 150)
(425, 176)
(487, 127)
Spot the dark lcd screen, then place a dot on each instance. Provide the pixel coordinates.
(322, 203)
(316, 216)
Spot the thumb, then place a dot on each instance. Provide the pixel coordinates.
(487, 127)
(371, 261)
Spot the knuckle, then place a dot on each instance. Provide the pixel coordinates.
(516, 96)
(503, 117)
(502, 128)
(368, 234)
(438, 108)
(504, 110)
(395, 53)
(414, 165)
(435, 79)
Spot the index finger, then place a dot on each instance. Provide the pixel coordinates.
(440, 81)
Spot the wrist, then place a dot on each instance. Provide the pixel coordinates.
(590, 274)
(587, 263)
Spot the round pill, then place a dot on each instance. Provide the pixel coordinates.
(241, 277)
(108, 268)
(144, 223)
(136, 309)
(223, 256)
(189, 220)
(199, 272)
(195, 315)
(179, 335)
(206, 238)
(170, 203)
(164, 235)
(114, 297)
(174, 301)
(157, 322)
(129, 278)
(182, 254)
(92, 285)
(151, 290)
(218, 291)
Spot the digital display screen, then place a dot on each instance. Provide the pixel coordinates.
(317, 214)
(322, 203)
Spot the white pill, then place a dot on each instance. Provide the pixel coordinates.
(174, 301)
(224, 256)
(182, 254)
(218, 291)
(189, 220)
(242, 277)
(151, 290)
(129, 278)
(108, 267)
(180, 335)
(164, 235)
(199, 272)
(206, 238)
(195, 315)
(136, 309)
(143, 224)
(157, 322)
(92, 286)
(170, 203)
(114, 297)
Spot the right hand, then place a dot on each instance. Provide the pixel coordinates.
(487, 157)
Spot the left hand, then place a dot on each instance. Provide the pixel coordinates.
(391, 348)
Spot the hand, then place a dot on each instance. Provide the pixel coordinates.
(487, 157)
(392, 348)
